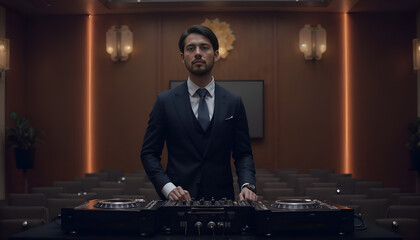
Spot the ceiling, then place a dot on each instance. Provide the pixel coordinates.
(70, 7)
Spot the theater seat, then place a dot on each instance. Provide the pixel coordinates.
(409, 200)
(404, 211)
(149, 193)
(24, 212)
(49, 192)
(321, 193)
(55, 205)
(406, 227)
(26, 199)
(273, 193)
(88, 182)
(113, 174)
(69, 186)
(85, 196)
(106, 193)
(275, 185)
(9, 227)
(344, 199)
(371, 209)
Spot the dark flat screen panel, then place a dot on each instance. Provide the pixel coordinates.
(252, 94)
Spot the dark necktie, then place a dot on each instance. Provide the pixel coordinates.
(203, 111)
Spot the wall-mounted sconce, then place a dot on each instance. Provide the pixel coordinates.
(312, 41)
(4, 54)
(119, 42)
(416, 54)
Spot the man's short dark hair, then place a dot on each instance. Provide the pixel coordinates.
(202, 30)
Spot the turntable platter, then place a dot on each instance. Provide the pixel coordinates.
(119, 203)
(295, 204)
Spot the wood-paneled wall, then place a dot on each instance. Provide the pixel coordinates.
(304, 115)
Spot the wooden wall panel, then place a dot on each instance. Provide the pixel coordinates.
(55, 99)
(383, 96)
(310, 102)
(15, 91)
(124, 92)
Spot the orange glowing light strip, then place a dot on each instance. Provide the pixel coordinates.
(89, 151)
(347, 136)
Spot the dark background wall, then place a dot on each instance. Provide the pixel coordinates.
(304, 108)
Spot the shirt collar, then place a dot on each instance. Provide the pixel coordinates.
(192, 87)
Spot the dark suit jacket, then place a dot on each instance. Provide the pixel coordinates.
(204, 174)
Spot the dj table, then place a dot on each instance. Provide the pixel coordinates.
(215, 219)
(53, 231)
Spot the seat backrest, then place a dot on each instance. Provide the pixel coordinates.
(347, 185)
(107, 193)
(103, 176)
(26, 199)
(363, 187)
(303, 183)
(284, 172)
(382, 192)
(333, 177)
(113, 174)
(406, 227)
(321, 173)
(55, 205)
(409, 200)
(371, 209)
(324, 184)
(149, 193)
(273, 193)
(111, 184)
(22, 212)
(85, 196)
(321, 193)
(275, 185)
(404, 211)
(49, 192)
(292, 179)
(9, 227)
(69, 186)
(132, 184)
(344, 199)
(88, 182)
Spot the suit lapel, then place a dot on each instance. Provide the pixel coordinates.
(183, 106)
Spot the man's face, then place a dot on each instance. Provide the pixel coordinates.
(199, 56)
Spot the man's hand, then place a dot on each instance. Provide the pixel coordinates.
(247, 194)
(179, 194)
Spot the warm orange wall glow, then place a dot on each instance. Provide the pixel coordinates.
(89, 145)
(347, 104)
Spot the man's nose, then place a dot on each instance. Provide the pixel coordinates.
(197, 52)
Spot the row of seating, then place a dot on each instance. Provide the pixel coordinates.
(23, 211)
(321, 184)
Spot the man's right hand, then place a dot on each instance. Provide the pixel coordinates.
(179, 194)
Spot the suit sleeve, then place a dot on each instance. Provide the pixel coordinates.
(242, 151)
(153, 144)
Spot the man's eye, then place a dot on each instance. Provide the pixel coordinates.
(205, 47)
(190, 48)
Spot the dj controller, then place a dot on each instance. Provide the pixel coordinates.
(208, 217)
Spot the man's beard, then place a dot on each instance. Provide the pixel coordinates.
(200, 71)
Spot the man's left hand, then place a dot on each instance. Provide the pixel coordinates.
(247, 194)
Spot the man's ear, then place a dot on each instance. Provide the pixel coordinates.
(182, 58)
(216, 55)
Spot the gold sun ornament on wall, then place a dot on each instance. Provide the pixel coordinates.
(223, 33)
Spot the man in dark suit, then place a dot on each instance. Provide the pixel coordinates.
(202, 124)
